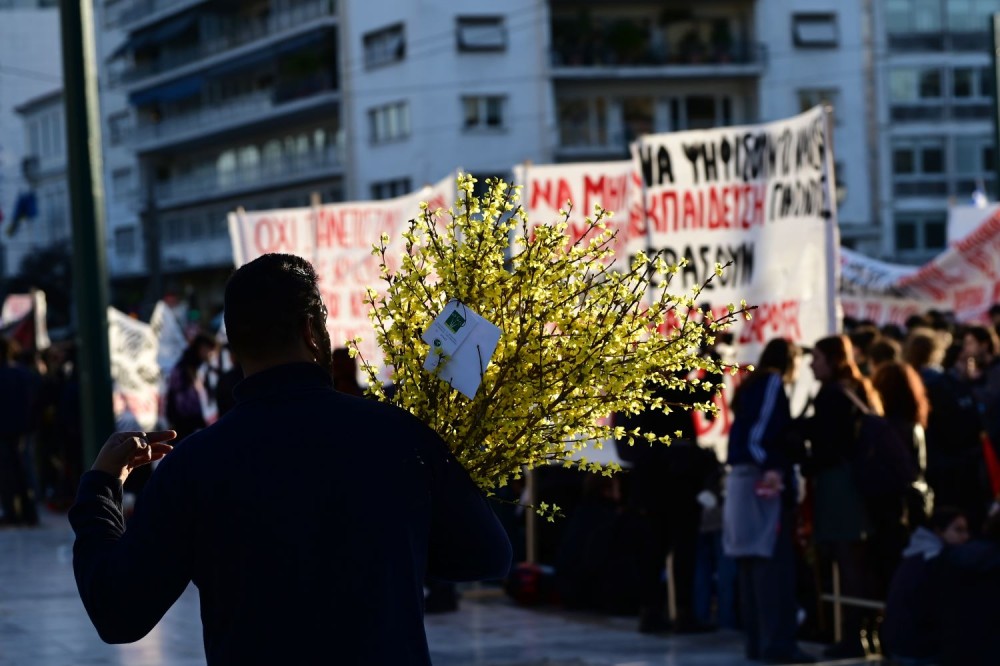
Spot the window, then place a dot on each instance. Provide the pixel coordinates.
(121, 184)
(814, 30)
(962, 82)
(910, 84)
(483, 112)
(813, 97)
(389, 123)
(35, 138)
(919, 167)
(118, 127)
(388, 189)
(481, 33)
(583, 122)
(385, 46)
(913, 16)
(125, 244)
(700, 112)
(920, 233)
(637, 116)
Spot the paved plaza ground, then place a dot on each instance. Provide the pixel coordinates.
(42, 622)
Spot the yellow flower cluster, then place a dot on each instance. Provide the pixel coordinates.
(580, 337)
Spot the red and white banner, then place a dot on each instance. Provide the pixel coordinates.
(964, 280)
(547, 191)
(338, 240)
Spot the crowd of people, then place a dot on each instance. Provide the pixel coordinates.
(882, 476)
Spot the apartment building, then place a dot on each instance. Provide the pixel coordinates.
(935, 117)
(30, 67)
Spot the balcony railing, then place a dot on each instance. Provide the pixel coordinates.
(965, 41)
(941, 111)
(241, 110)
(596, 55)
(246, 33)
(125, 13)
(210, 181)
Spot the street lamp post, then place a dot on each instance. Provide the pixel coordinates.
(84, 168)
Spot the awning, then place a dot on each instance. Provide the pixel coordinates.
(168, 92)
(156, 34)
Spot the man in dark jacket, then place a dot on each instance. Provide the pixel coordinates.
(307, 518)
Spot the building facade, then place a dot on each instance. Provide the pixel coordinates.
(30, 67)
(935, 117)
(41, 214)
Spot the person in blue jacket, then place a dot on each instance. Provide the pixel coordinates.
(759, 512)
(306, 518)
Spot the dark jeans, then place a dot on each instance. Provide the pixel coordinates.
(716, 574)
(767, 597)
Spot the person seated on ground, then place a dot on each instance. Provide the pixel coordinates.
(910, 632)
(969, 612)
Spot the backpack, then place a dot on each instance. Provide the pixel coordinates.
(882, 464)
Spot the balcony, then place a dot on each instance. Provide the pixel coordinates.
(281, 101)
(687, 46)
(935, 112)
(137, 13)
(254, 34)
(209, 182)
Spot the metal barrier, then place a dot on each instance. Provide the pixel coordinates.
(839, 601)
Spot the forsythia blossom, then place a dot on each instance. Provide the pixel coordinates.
(582, 336)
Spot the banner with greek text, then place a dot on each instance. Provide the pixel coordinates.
(757, 197)
(552, 193)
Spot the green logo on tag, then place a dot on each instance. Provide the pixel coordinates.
(455, 321)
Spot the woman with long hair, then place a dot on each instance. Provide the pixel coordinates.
(759, 513)
(841, 523)
(905, 406)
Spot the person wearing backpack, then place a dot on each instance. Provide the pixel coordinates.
(904, 402)
(841, 524)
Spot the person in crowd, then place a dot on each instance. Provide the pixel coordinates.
(715, 572)
(910, 631)
(862, 338)
(664, 487)
(905, 405)
(970, 587)
(18, 389)
(184, 403)
(981, 362)
(759, 516)
(883, 350)
(841, 522)
(952, 437)
(291, 567)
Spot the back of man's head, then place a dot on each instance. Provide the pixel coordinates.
(267, 302)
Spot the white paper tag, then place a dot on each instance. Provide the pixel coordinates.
(469, 342)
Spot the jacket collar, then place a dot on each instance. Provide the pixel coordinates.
(282, 378)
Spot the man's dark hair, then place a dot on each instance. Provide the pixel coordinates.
(984, 335)
(884, 350)
(267, 300)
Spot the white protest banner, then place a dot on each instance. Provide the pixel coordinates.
(338, 239)
(963, 280)
(869, 290)
(170, 338)
(615, 186)
(135, 373)
(756, 196)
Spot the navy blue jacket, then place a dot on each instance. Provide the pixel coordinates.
(760, 424)
(307, 519)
